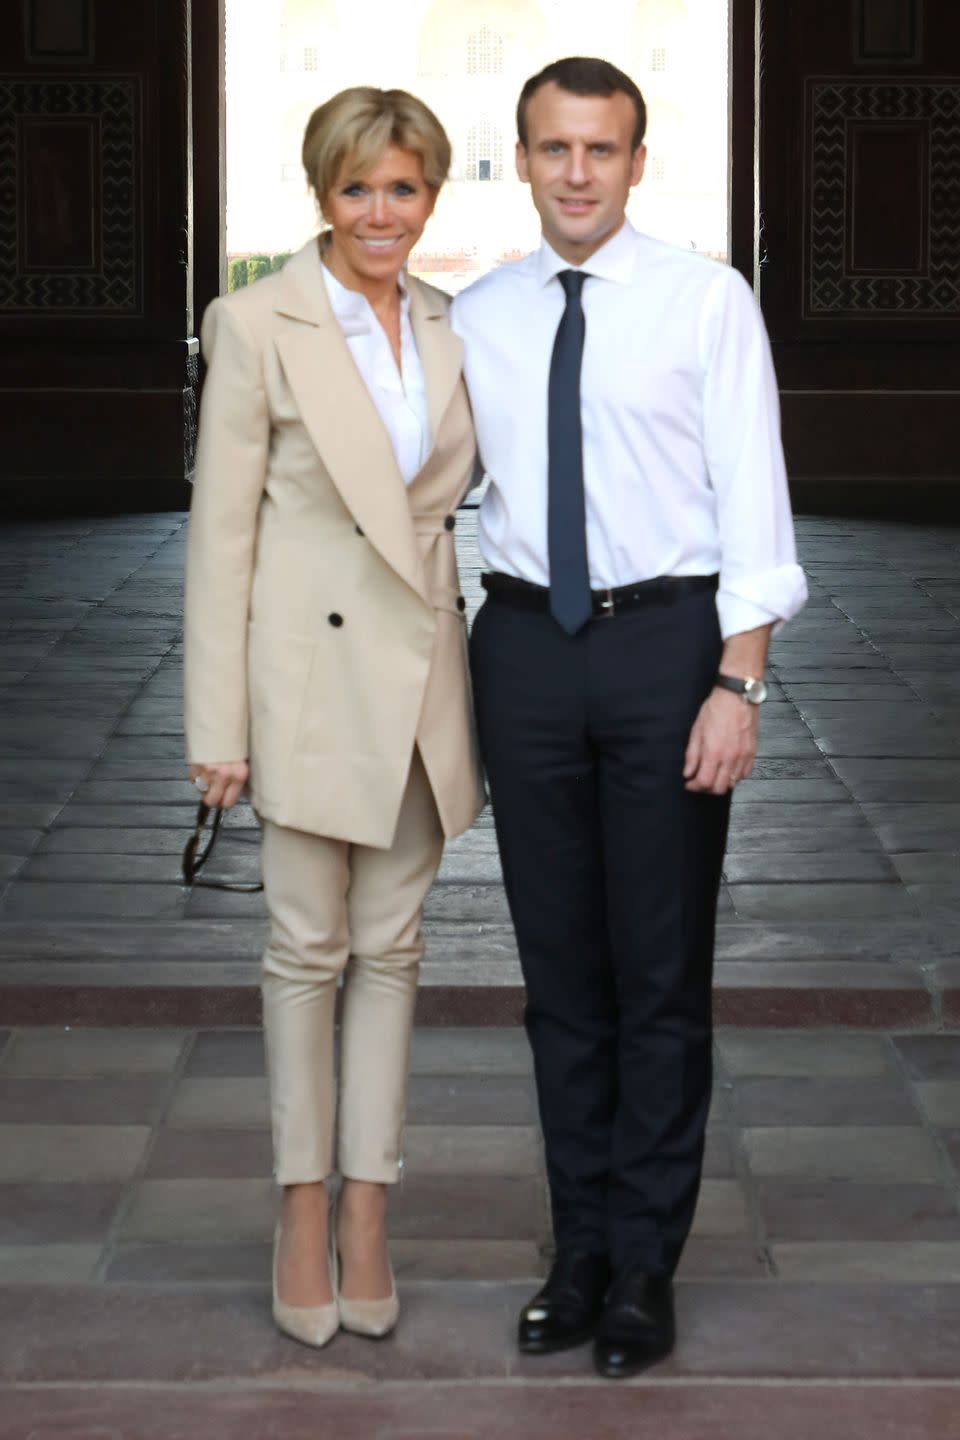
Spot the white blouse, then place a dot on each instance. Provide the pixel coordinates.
(399, 395)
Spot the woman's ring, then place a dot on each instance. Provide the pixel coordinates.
(202, 785)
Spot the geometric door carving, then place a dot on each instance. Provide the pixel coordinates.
(70, 207)
(868, 139)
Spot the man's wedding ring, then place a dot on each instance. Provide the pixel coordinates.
(202, 785)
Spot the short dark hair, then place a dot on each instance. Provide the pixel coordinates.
(583, 75)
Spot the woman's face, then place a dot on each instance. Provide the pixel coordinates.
(376, 220)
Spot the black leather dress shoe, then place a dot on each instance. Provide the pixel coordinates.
(636, 1328)
(564, 1312)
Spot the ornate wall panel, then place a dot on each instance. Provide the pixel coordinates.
(885, 239)
(857, 260)
(59, 186)
(98, 367)
(865, 255)
(70, 205)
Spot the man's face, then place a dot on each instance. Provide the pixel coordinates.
(579, 166)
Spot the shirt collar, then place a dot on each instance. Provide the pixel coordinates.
(352, 309)
(613, 261)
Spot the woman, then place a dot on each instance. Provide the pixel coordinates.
(325, 646)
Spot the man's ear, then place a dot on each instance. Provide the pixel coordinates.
(637, 164)
(523, 169)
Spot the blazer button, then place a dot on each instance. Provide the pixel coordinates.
(449, 523)
(335, 619)
(461, 603)
(358, 530)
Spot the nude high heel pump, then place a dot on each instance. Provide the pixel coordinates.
(310, 1324)
(373, 1318)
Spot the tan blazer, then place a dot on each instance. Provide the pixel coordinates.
(325, 632)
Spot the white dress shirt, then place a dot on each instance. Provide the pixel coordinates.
(399, 395)
(682, 459)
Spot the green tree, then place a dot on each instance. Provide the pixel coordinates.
(237, 274)
(278, 261)
(257, 267)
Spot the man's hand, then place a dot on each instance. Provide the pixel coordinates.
(723, 744)
(225, 782)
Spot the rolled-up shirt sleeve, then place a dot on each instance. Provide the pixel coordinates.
(760, 580)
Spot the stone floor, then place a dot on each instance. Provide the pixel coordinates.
(840, 899)
(819, 1294)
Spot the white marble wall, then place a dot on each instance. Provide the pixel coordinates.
(422, 46)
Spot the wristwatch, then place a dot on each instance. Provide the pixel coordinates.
(751, 691)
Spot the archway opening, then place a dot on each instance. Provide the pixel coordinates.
(468, 59)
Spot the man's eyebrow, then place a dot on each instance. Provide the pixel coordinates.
(609, 141)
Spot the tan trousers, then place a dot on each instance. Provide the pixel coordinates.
(340, 909)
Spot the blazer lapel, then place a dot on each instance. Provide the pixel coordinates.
(341, 418)
(440, 350)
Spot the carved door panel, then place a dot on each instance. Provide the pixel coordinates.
(97, 367)
(859, 230)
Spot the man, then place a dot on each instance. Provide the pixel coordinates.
(638, 533)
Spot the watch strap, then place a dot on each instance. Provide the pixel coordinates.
(731, 682)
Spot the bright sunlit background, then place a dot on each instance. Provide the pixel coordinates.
(468, 59)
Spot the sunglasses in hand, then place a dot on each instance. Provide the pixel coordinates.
(198, 850)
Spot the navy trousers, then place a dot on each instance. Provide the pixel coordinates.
(612, 871)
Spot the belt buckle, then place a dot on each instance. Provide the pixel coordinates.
(608, 605)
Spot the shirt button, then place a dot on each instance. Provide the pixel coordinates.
(335, 620)
(449, 523)
(358, 530)
(461, 603)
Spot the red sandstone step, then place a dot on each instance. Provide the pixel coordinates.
(200, 974)
(86, 993)
(471, 1411)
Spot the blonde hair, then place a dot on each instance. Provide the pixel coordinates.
(354, 128)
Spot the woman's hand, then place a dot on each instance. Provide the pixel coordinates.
(225, 782)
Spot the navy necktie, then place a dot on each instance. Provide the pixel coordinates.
(570, 603)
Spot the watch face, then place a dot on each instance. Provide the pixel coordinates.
(755, 691)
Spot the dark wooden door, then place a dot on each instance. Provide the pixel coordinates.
(858, 244)
(98, 366)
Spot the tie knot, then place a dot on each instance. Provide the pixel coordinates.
(572, 282)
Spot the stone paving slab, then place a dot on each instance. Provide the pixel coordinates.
(929, 1057)
(800, 1209)
(914, 1262)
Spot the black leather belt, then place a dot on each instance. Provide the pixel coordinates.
(662, 590)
